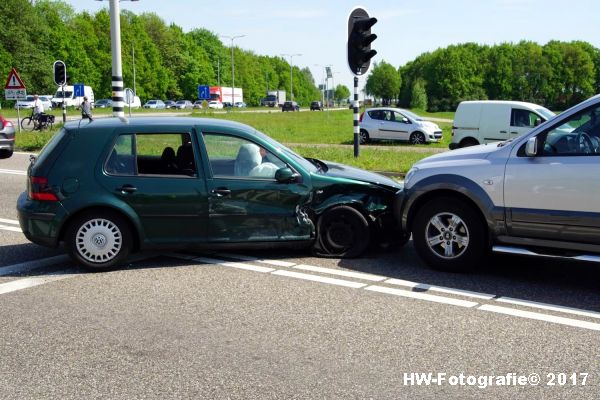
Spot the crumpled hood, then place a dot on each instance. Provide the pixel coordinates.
(345, 171)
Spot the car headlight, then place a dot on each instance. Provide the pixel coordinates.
(411, 173)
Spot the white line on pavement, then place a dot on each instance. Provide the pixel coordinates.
(9, 221)
(277, 263)
(29, 282)
(422, 296)
(348, 274)
(440, 289)
(10, 228)
(540, 317)
(316, 278)
(224, 263)
(12, 172)
(550, 307)
(34, 264)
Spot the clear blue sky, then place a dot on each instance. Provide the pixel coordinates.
(406, 28)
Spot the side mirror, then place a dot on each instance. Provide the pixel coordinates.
(531, 147)
(405, 120)
(537, 121)
(286, 175)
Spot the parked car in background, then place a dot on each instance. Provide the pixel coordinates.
(221, 183)
(27, 103)
(7, 138)
(183, 104)
(217, 105)
(157, 104)
(534, 194)
(169, 104)
(290, 106)
(389, 123)
(240, 104)
(487, 121)
(226, 104)
(103, 103)
(316, 106)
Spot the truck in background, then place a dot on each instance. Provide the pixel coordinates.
(274, 98)
(223, 94)
(69, 96)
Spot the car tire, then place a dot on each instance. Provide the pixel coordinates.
(99, 240)
(434, 235)
(417, 138)
(4, 153)
(364, 137)
(342, 232)
(468, 142)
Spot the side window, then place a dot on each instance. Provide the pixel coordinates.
(230, 156)
(165, 154)
(377, 115)
(399, 117)
(578, 136)
(523, 118)
(121, 160)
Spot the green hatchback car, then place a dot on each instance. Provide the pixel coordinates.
(110, 187)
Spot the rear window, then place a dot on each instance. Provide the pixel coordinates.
(50, 147)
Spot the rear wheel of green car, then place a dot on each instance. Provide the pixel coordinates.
(99, 240)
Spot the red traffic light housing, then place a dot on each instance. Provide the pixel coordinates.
(359, 41)
(60, 73)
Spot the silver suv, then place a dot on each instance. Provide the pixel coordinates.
(396, 124)
(538, 194)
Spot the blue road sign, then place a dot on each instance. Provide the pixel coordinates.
(203, 92)
(78, 90)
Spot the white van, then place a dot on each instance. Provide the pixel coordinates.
(485, 121)
(69, 98)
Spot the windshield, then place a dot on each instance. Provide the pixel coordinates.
(544, 112)
(59, 94)
(307, 165)
(411, 115)
(271, 97)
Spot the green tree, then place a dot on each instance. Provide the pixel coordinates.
(383, 82)
(341, 93)
(419, 95)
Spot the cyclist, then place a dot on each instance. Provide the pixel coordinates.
(38, 107)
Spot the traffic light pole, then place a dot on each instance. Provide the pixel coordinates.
(64, 106)
(356, 126)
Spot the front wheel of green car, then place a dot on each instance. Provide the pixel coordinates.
(99, 240)
(343, 232)
(449, 235)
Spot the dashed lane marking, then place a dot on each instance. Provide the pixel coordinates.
(348, 274)
(316, 278)
(550, 307)
(26, 283)
(440, 289)
(10, 228)
(422, 296)
(9, 221)
(12, 171)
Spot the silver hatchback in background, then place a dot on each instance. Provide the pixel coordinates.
(386, 123)
(7, 138)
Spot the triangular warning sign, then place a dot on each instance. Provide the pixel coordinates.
(14, 81)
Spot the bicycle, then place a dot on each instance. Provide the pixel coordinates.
(37, 121)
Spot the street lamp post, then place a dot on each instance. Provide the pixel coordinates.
(117, 68)
(232, 38)
(291, 56)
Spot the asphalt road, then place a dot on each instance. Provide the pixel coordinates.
(275, 325)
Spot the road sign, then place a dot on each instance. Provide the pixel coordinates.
(203, 92)
(15, 94)
(14, 81)
(78, 90)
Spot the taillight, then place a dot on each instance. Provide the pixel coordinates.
(6, 123)
(40, 190)
(361, 115)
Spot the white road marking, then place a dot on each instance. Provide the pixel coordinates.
(9, 221)
(348, 274)
(34, 264)
(10, 228)
(12, 172)
(322, 279)
(440, 289)
(237, 265)
(422, 296)
(25, 283)
(550, 307)
(277, 263)
(540, 317)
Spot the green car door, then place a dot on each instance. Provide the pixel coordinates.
(156, 174)
(245, 201)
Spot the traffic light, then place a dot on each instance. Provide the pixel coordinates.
(359, 41)
(60, 73)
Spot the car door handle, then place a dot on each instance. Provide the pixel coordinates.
(514, 133)
(502, 131)
(127, 188)
(220, 192)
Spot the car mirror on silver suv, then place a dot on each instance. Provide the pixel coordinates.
(531, 147)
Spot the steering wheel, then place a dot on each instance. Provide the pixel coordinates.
(584, 143)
